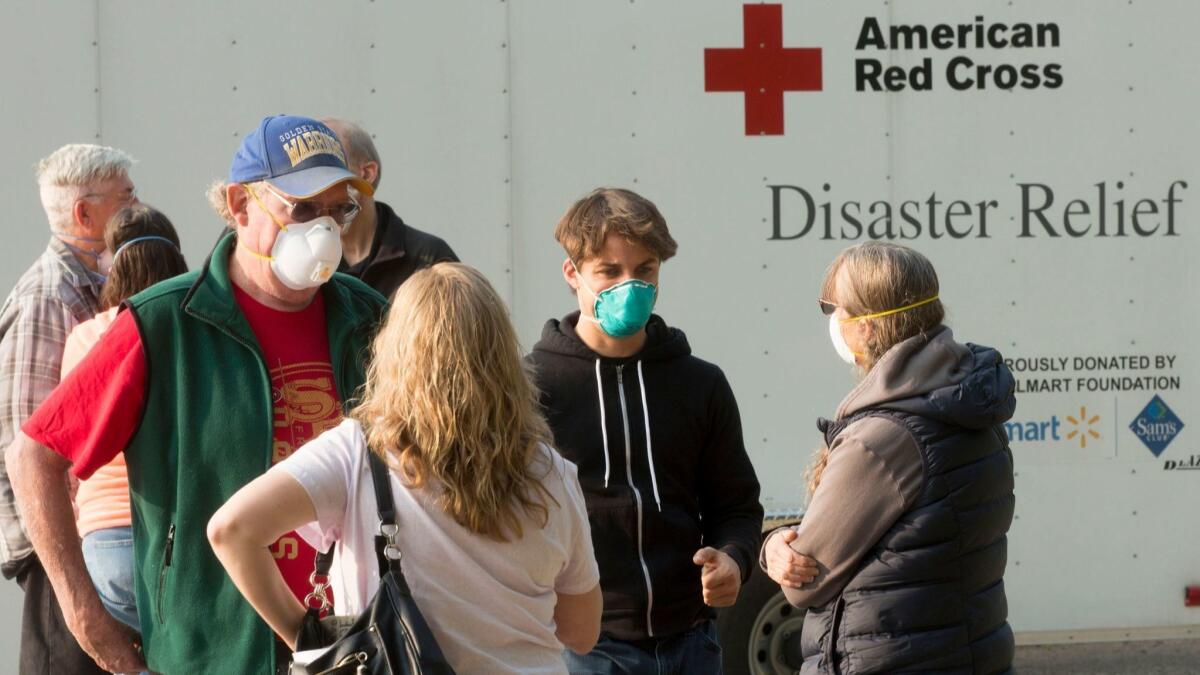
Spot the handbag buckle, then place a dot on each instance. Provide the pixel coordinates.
(389, 531)
(317, 599)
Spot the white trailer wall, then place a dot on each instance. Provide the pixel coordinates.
(493, 115)
(1097, 541)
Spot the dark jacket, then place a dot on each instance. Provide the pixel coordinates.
(929, 595)
(658, 442)
(397, 251)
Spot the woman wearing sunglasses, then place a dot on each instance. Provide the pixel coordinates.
(911, 497)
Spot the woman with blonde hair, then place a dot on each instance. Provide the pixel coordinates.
(492, 525)
(911, 497)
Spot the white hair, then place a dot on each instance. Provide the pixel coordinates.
(68, 173)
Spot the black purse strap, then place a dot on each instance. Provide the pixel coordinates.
(386, 549)
(324, 561)
(387, 522)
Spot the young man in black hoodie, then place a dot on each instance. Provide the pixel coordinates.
(671, 495)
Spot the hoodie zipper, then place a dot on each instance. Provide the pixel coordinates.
(637, 495)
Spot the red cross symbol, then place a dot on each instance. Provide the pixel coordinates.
(763, 69)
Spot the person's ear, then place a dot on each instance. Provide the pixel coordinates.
(79, 213)
(866, 330)
(237, 200)
(369, 171)
(570, 274)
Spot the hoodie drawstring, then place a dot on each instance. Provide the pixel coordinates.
(649, 448)
(603, 422)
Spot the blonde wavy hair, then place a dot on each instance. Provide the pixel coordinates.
(876, 276)
(448, 401)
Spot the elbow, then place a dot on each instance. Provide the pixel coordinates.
(224, 530)
(800, 599)
(25, 460)
(815, 593)
(577, 619)
(581, 640)
(14, 456)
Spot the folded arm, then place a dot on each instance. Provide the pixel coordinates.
(872, 478)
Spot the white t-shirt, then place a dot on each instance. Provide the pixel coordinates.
(489, 603)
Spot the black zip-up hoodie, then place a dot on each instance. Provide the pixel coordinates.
(658, 442)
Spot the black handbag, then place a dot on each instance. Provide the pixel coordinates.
(391, 636)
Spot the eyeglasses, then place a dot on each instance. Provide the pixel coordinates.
(304, 211)
(827, 307)
(122, 196)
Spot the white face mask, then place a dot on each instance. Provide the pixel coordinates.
(839, 342)
(306, 255)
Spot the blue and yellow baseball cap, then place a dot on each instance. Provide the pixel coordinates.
(297, 155)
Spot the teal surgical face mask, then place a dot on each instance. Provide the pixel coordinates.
(622, 309)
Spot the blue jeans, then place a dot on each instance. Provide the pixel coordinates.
(695, 651)
(108, 555)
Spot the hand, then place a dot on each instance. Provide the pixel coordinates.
(721, 578)
(114, 646)
(785, 566)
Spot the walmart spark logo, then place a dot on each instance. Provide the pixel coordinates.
(1071, 428)
(1082, 427)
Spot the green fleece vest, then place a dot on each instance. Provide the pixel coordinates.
(207, 430)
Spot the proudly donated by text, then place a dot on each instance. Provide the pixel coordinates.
(1094, 373)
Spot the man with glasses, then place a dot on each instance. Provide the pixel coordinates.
(204, 382)
(81, 186)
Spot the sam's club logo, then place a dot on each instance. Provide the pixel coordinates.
(1156, 426)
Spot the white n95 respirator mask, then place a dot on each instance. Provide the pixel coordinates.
(306, 255)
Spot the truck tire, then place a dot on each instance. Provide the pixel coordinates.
(760, 634)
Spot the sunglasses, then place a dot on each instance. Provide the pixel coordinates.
(827, 307)
(303, 211)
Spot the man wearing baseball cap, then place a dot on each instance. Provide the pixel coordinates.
(203, 382)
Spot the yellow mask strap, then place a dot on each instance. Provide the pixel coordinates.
(891, 311)
(254, 253)
(262, 206)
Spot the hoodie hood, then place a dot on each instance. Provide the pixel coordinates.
(934, 376)
(662, 341)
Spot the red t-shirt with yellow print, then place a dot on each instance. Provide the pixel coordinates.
(295, 347)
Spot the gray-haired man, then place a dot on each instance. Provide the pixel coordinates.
(81, 186)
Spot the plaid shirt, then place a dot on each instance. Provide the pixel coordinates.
(53, 296)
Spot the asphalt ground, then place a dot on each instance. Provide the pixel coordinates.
(1149, 657)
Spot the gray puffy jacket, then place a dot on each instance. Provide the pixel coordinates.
(929, 595)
